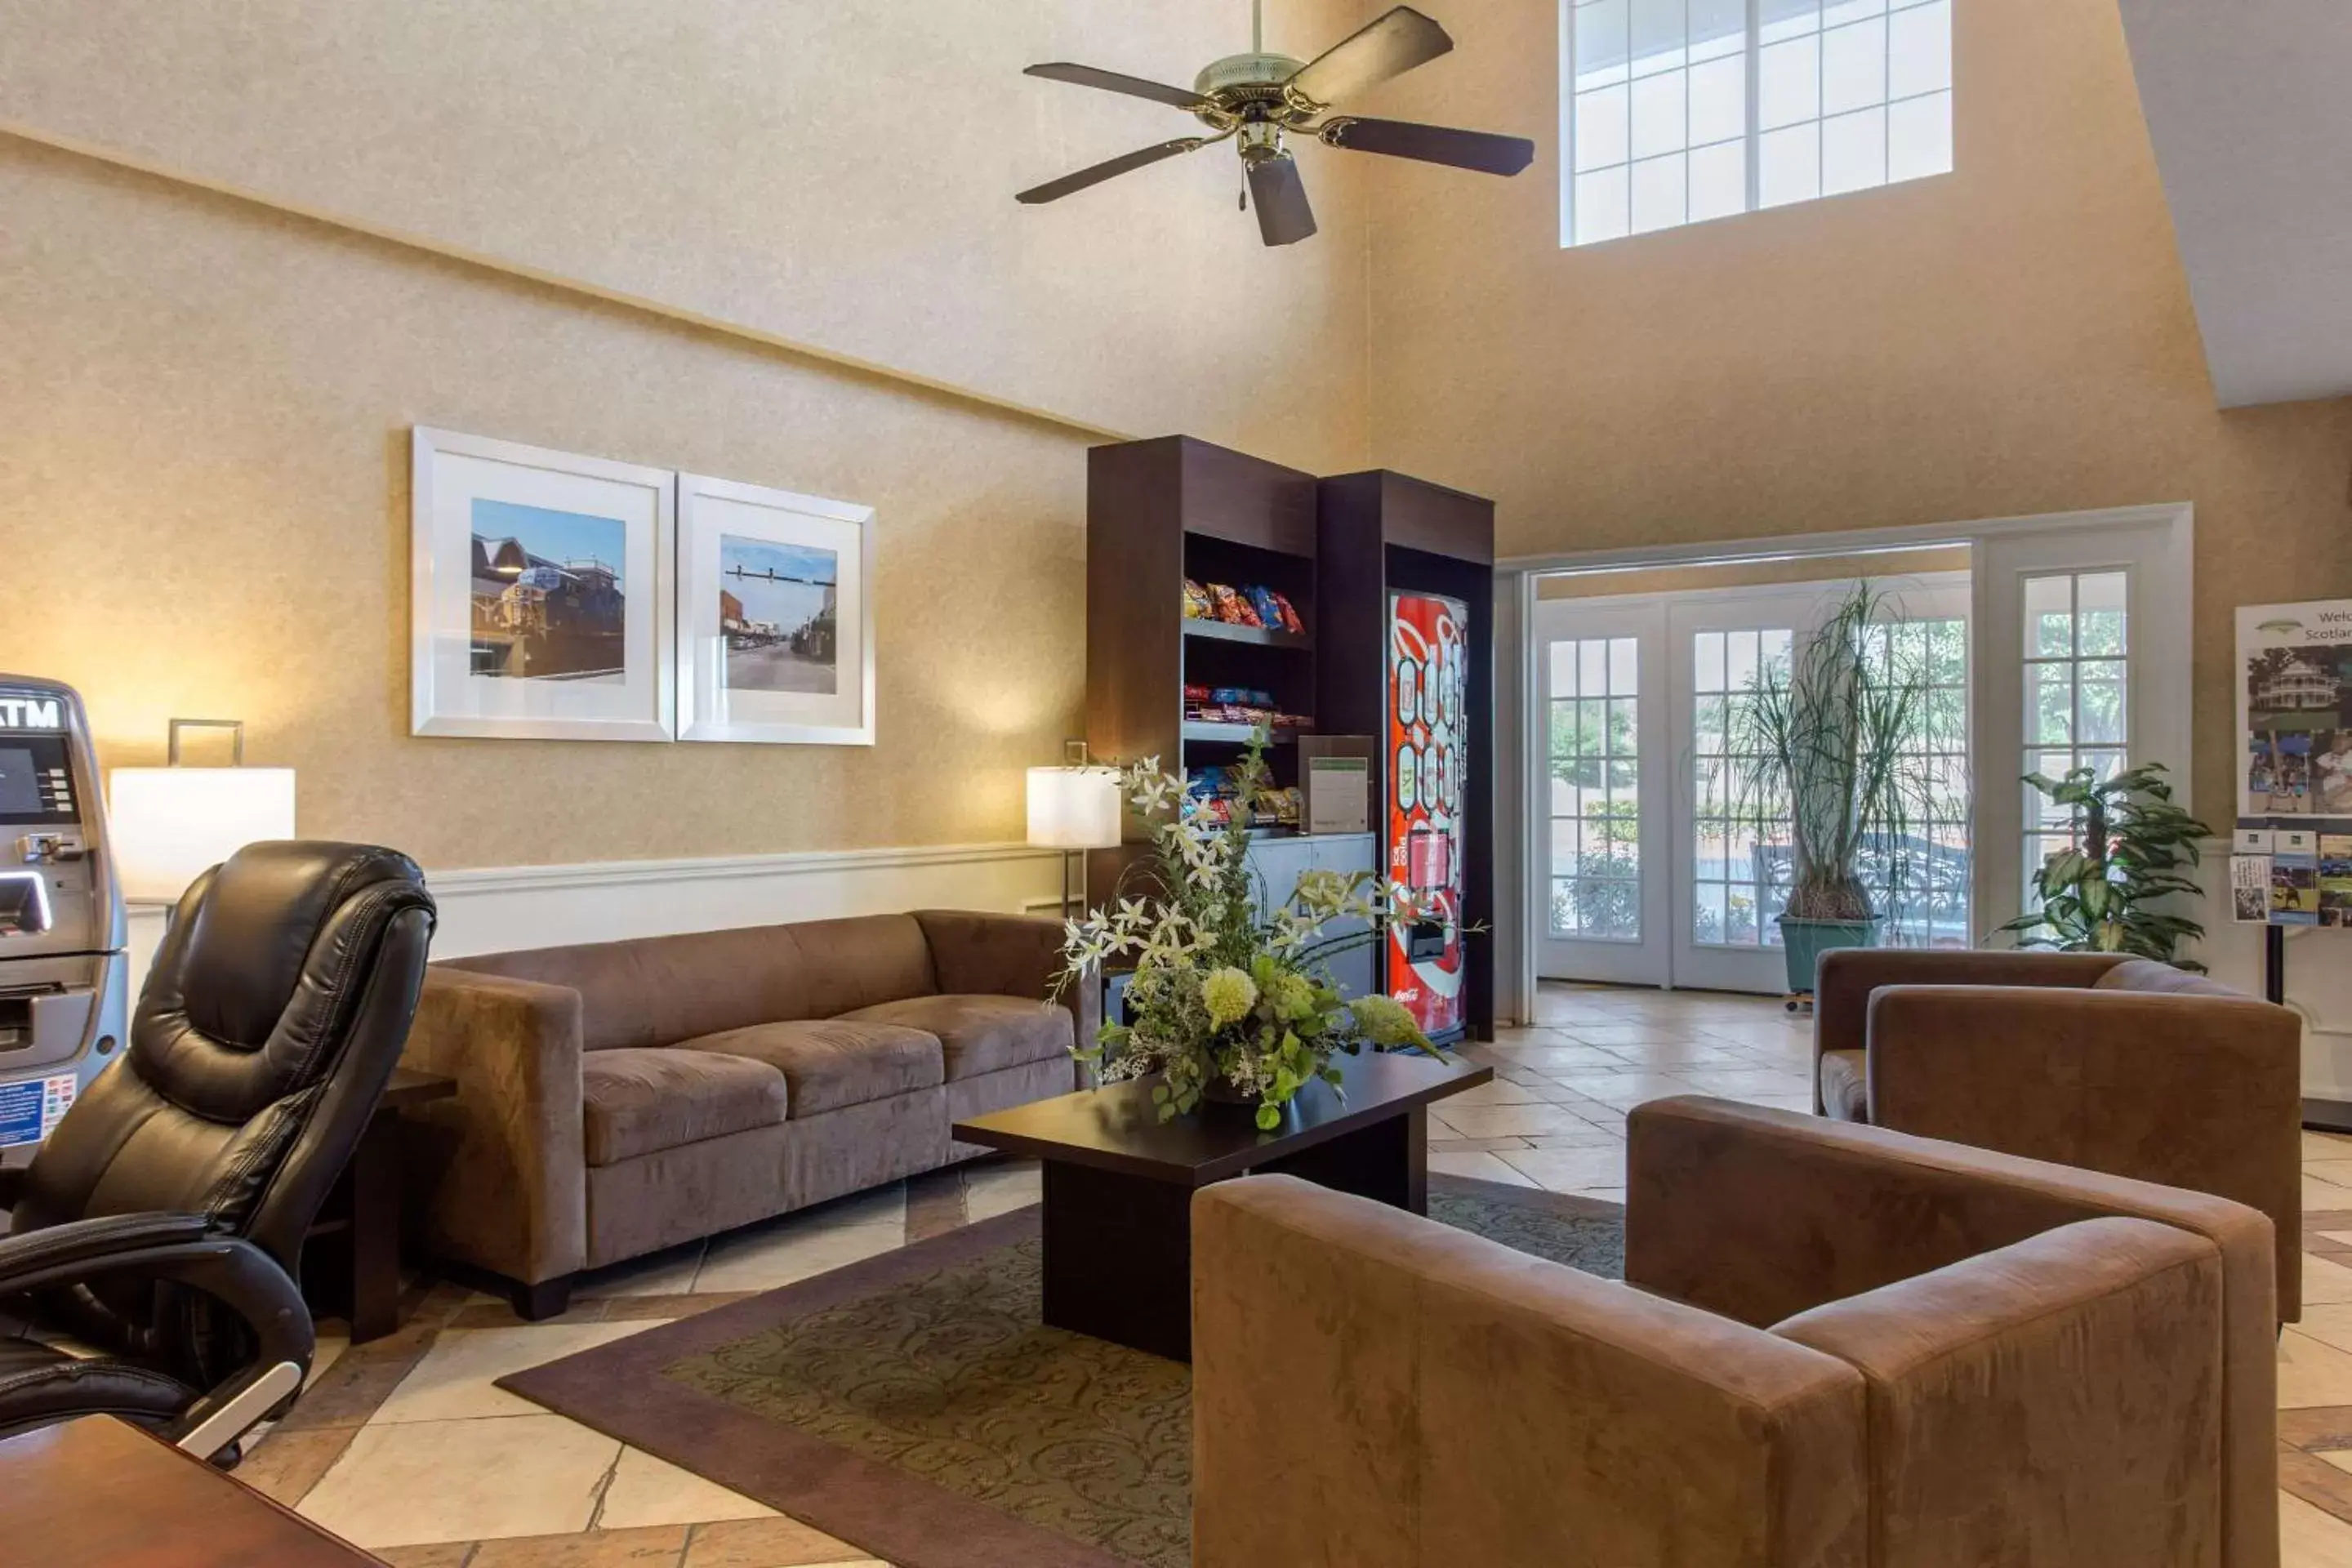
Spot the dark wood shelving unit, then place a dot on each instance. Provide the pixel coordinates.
(1158, 511)
(1162, 510)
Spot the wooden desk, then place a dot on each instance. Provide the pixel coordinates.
(96, 1492)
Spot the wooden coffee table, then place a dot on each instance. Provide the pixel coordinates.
(96, 1492)
(1119, 1181)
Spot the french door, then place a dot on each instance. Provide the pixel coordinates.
(1605, 758)
(1663, 863)
(2086, 632)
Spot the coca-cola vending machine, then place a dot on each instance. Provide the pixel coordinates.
(1429, 752)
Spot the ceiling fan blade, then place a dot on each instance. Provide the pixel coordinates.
(1284, 215)
(1479, 150)
(1054, 190)
(1389, 46)
(1112, 81)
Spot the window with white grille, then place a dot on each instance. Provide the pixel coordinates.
(1676, 112)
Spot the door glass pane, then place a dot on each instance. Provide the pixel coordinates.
(1596, 891)
(2077, 693)
(1919, 876)
(1740, 833)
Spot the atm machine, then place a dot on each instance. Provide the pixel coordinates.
(63, 972)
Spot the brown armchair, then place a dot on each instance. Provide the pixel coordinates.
(2109, 1063)
(1844, 1347)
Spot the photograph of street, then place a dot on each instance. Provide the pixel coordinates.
(777, 612)
(548, 600)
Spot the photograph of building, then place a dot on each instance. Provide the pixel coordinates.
(548, 599)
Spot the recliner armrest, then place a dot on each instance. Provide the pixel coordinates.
(35, 1255)
(183, 1248)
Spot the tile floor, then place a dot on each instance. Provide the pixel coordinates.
(403, 1447)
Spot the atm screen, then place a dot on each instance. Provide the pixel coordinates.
(20, 786)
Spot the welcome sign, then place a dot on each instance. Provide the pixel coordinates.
(2295, 709)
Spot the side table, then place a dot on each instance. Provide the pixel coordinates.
(361, 1220)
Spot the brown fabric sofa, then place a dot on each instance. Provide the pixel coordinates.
(1844, 1347)
(622, 1096)
(2113, 1064)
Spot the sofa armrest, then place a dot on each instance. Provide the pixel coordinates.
(2196, 1092)
(1847, 977)
(1987, 1378)
(1759, 1215)
(1375, 1389)
(500, 1169)
(978, 953)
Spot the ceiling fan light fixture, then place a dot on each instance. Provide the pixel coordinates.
(1255, 98)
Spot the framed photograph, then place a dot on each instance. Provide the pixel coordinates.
(775, 616)
(540, 592)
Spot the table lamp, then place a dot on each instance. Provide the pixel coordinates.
(169, 824)
(1073, 808)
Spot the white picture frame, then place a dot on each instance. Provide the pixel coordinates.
(557, 626)
(783, 657)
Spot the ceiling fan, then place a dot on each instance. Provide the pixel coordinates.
(1255, 99)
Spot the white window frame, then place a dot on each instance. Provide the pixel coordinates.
(2160, 697)
(1752, 44)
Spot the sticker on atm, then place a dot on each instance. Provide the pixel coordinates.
(30, 1110)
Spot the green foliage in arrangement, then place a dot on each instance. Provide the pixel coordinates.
(2136, 848)
(1224, 1003)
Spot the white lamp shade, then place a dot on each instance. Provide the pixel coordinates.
(1073, 808)
(169, 826)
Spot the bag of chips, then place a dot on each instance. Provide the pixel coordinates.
(1268, 608)
(1198, 606)
(1231, 608)
(1288, 617)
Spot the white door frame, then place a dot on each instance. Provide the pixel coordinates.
(1515, 597)
(1644, 961)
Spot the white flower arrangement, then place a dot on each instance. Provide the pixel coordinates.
(1222, 1003)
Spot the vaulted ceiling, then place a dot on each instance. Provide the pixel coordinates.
(2251, 118)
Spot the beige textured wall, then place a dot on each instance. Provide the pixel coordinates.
(203, 511)
(204, 408)
(2013, 338)
(838, 176)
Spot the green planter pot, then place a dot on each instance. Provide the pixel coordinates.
(1802, 943)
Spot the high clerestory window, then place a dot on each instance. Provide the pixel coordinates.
(1678, 111)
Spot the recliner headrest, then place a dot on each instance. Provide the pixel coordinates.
(254, 919)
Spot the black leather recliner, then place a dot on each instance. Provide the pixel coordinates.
(162, 1223)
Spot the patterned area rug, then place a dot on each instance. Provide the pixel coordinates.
(915, 1405)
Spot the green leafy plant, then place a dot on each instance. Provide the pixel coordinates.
(1827, 743)
(1223, 1002)
(2136, 848)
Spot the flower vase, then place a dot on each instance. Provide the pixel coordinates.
(1219, 1089)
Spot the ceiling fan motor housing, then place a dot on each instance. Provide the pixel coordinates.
(1241, 79)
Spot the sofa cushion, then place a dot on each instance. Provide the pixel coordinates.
(980, 1034)
(833, 1062)
(637, 1101)
(661, 990)
(1846, 1085)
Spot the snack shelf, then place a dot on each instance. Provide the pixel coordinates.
(1203, 729)
(1262, 636)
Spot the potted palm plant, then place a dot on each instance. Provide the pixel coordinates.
(1826, 743)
